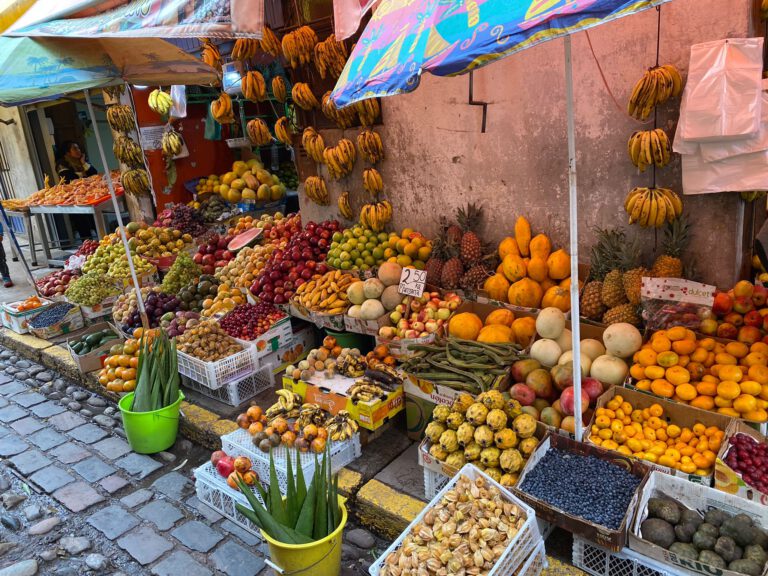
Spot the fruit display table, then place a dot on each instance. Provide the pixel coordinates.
(29, 232)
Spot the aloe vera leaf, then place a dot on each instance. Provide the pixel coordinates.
(306, 521)
(290, 493)
(320, 529)
(276, 504)
(301, 487)
(267, 522)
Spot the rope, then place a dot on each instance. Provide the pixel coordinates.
(658, 50)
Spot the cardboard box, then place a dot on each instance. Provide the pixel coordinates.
(606, 537)
(726, 478)
(400, 348)
(94, 360)
(695, 497)
(680, 414)
(330, 394)
(73, 320)
(19, 321)
(331, 321)
(301, 342)
(367, 327)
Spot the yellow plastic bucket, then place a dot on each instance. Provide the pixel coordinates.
(321, 558)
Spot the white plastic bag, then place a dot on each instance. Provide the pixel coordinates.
(737, 174)
(179, 97)
(723, 92)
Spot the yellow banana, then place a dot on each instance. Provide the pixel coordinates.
(344, 207)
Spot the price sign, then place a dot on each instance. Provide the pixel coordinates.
(412, 282)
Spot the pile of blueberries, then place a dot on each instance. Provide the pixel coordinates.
(583, 486)
(51, 315)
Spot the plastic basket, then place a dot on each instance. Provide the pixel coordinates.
(519, 549)
(235, 393)
(433, 483)
(240, 442)
(599, 561)
(536, 563)
(214, 375)
(212, 489)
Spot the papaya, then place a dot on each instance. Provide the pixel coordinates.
(526, 293)
(559, 264)
(557, 297)
(523, 235)
(538, 269)
(508, 246)
(496, 333)
(540, 247)
(514, 267)
(497, 287)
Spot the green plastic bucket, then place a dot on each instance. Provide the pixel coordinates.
(352, 340)
(150, 432)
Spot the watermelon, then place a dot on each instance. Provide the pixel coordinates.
(247, 238)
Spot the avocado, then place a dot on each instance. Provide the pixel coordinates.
(684, 550)
(665, 509)
(711, 558)
(658, 531)
(746, 566)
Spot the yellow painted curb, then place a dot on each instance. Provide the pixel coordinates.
(59, 359)
(25, 344)
(384, 510)
(349, 482)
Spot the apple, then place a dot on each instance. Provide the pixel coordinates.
(403, 324)
(727, 331)
(540, 382)
(708, 326)
(395, 317)
(225, 466)
(216, 456)
(387, 332)
(522, 394)
(743, 289)
(743, 304)
(749, 335)
(759, 295)
(431, 326)
(416, 305)
(418, 326)
(765, 323)
(411, 334)
(734, 318)
(443, 313)
(567, 401)
(723, 304)
(593, 387)
(562, 375)
(753, 318)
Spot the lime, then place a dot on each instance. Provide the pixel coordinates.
(352, 242)
(359, 262)
(337, 236)
(346, 247)
(382, 236)
(344, 256)
(334, 245)
(357, 231)
(369, 260)
(336, 262)
(370, 245)
(346, 265)
(365, 253)
(354, 254)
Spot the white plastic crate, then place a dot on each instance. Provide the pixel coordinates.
(240, 443)
(235, 393)
(214, 375)
(212, 489)
(433, 483)
(519, 549)
(536, 563)
(599, 561)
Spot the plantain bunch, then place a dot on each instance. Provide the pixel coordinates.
(372, 182)
(210, 54)
(330, 57)
(283, 131)
(303, 96)
(343, 117)
(340, 159)
(370, 147)
(649, 147)
(278, 89)
(652, 207)
(376, 216)
(258, 132)
(128, 152)
(269, 42)
(312, 141)
(298, 46)
(316, 190)
(345, 208)
(253, 86)
(368, 111)
(245, 48)
(135, 182)
(657, 85)
(222, 109)
(171, 142)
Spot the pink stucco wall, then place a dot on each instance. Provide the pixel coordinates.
(437, 158)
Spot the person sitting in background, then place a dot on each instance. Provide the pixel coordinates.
(71, 165)
(4, 272)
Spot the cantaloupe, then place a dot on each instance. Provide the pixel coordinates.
(565, 340)
(592, 348)
(609, 369)
(622, 340)
(585, 363)
(371, 310)
(356, 292)
(390, 298)
(546, 351)
(389, 273)
(550, 323)
(373, 287)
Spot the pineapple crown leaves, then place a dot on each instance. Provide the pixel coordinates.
(609, 252)
(676, 237)
(469, 218)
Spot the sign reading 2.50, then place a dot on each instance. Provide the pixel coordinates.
(412, 282)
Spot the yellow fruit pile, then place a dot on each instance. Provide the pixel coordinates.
(730, 378)
(645, 434)
(225, 301)
(500, 326)
(246, 266)
(530, 275)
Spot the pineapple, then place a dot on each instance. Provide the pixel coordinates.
(471, 247)
(606, 253)
(669, 264)
(592, 302)
(613, 289)
(633, 281)
(622, 313)
(474, 277)
(451, 274)
(434, 266)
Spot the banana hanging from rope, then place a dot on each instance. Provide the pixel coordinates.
(160, 102)
(283, 131)
(221, 109)
(120, 118)
(657, 85)
(345, 209)
(245, 48)
(135, 181)
(316, 190)
(376, 216)
(370, 147)
(312, 141)
(279, 90)
(303, 96)
(269, 42)
(330, 57)
(368, 111)
(128, 152)
(258, 132)
(373, 183)
(171, 143)
(343, 117)
(298, 46)
(340, 159)
(253, 86)
(210, 54)
(649, 147)
(652, 207)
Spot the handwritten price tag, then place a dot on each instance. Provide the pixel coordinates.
(412, 282)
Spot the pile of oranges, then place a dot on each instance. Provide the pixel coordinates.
(119, 372)
(645, 434)
(731, 378)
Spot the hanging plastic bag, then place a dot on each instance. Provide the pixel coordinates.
(179, 97)
(671, 302)
(742, 173)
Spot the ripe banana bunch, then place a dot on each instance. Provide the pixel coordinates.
(364, 390)
(648, 147)
(312, 141)
(330, 57)
(160, 102)
(278, 89)
(315, 188)
(370, 146)
(128, 152)
(210, 54)
(345, 207)
(311, 414)
(368, 110)
(656, 86)
(376, 216)
(222, 109)
(372, 182)
(652, 206)
(340, 159)
(135, 181)
(341, 427)
(269, 42)
(258, 132)
(287, 405)
(299, 45)
(120, 118)
(754, 194)
(283, 131)
(171, 143)
(343, 117)
(302, 95)
(253, 86)
(245, 48)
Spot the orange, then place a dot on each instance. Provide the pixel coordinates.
(688, 468)
(654, 422)
(732, 373)
(617, 426)
(646, 357)
(699, 429)
(706, 388)
(708, 344)
(729, 412)
(637, 371)
(686, 391)
(699, 355)
(700, 461)
(673, 431)
(737, 349)
(684, 347)
(677, 375)
(662, 388)
(721, 402)
(667, 359)
(605, 434)
(764, 392)
(676, 333)
(758, 374)
(637, 415)
(696, 370)
(602, 421)
(655, 410)
(634, 445)
(750, 387)
(745, 403)
(660, 343)
(661, 434)
(665, 460)
(759, 347)
(626, 407)
(725, 359)
(703, 402)
(624, 450)
(683, 360)
(755, 358)
(596, 440)
(728, 389)
(759, 415)
(654, 372)
(650, 457)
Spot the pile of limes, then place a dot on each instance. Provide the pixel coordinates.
(360, 248)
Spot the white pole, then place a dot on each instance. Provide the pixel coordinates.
(108, 178)
(574, 232)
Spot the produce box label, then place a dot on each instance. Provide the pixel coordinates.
(300, 312)
(278, 336)
(18, 321)
(673, 301)
(330, 321)
(72, 321)
(729, 480)
(367, 327)
(412, 282)
(426, 460)
(301, 342)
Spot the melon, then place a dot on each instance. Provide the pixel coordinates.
(609, 370)
(389, 273)
(592, 348)
(622, 340)
(247, 238)
(546, 351)
(585, 363)
(390, 298)
(373, 287)
(356, 292)
(354, 311)
(371, 310)
(550, 323)
(565, 340)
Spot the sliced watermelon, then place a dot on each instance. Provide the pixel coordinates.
(247, 238)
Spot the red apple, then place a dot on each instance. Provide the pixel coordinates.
(562, 375)
(734, 318)
(753, 318)
(727, 331)
(743, 304)
(765, 323)
(225, 466)
(759, 295)
(743, 288)
(216, 456)
(708, 326)
(723, 304)
(522, 394)
(593, 387)
(765, 339)
(567, 399)
(749, 335)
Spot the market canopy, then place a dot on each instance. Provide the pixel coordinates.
(406, 37)
(33, 70)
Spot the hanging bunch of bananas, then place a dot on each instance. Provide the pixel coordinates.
(345, 208)
(160, 101)
(330, 57)
(221, 109)
(343, 117)
(253, 86)
(370, 147)
(312, 141)
(128, 151)
(283, 131)
(258, 132)
(298, 46)
(657, 85)
(278, 89)
(269, 42)
(652, 207)
(340, 159)
(210, 54)
(368, 111)
(303, 96)
(171, 143)
(754, 194)
(365, 390)
(245, 48)
(311, 414)
(372, 182)
(341, 427)
(135, 182)
(376, 216)
(287, 406)
(648, 147)
(316, 190)
(120, 118)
